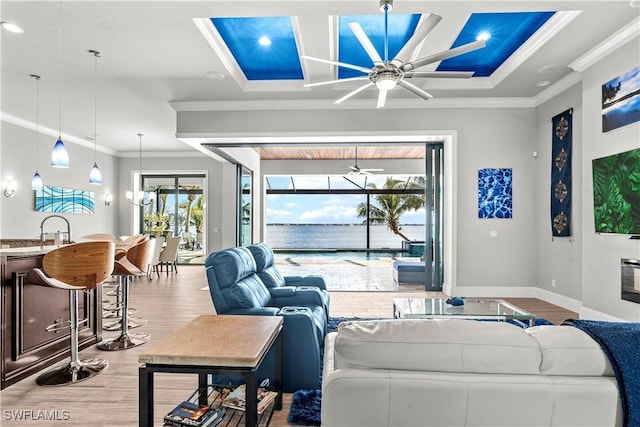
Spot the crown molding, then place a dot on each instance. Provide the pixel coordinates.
(556, 89)
(27, 124)
(619, 38)
(358, 104)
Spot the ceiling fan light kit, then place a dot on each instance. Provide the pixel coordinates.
(386, 74)
(356, 170)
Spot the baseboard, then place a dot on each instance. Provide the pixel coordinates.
(522, 292)
(559, 300)
(588, 313)
(496, 291)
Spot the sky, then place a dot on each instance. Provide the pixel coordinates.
(322, 209)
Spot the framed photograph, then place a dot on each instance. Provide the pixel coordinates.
(621, 101)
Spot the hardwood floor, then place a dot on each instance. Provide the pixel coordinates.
(168, 302)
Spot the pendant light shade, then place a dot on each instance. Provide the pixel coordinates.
(36, 181)
(59, 155)
(95, 176)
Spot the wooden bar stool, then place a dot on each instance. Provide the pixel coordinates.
(74, 268)
(133, 264)
(113, 310)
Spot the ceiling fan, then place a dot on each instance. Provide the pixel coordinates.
(356, 170)
(387, 74)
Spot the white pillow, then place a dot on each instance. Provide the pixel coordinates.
(447, 345)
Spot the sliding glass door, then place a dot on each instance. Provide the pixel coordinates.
(178, 210)
(245, 208)
(434, 208)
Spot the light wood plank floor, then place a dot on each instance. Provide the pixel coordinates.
(168, 302)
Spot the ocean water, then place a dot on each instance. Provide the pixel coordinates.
(332, 236)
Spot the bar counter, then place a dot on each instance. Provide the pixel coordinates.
(26, 309)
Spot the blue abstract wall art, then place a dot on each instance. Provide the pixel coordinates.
(495, 193)
(64, 200)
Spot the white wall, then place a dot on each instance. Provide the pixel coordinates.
(19, 220)
(602, 253)
(486, 137)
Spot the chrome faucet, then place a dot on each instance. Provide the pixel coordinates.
(54, 216)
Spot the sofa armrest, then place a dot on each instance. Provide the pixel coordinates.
(316, 281)
(255, 311)
(282, 292)
(291, 295)
(301, 349)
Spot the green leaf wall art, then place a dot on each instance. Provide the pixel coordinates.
(616, 193)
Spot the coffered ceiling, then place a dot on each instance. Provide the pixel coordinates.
(161, 56)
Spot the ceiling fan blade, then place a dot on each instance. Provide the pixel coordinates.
(350, 79)
(414, 90)
(465, 48)
(382, 97)
(364, 40)
(418, 36)
(439, 74)
(372, 170)
(354, 92)
(337, 63)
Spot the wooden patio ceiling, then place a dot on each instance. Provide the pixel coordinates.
(390, 151)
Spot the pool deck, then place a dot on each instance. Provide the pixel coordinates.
(347, 274)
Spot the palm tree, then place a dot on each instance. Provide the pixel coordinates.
(390, 207)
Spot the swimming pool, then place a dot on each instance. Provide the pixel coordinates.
(341, 254)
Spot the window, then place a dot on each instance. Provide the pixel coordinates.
(178, 210)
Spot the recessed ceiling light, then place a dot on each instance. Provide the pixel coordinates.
(264, 41)
(483, 36)
(214, 75)
(634, 3)
(543, 83)
(547, 69)
(11, 27)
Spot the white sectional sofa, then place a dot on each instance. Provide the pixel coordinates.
(423, 373)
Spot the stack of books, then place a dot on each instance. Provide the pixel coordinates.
(191, 414)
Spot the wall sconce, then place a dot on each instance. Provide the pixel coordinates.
(108, 198)
(10, 188)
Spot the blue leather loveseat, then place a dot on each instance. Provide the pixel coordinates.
(273, 278)
(236, 288)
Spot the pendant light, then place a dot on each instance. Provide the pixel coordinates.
(36, 181)
(59, 155)
(141, 198)
(95, 176)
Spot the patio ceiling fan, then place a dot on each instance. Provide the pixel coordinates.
(387, 74)
(356, 170)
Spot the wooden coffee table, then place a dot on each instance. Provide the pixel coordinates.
(213, 344)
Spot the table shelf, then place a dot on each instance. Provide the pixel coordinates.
(232, 417)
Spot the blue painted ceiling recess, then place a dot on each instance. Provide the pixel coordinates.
(507, 30)
(350, 51)
(280, 59)
(277, 61)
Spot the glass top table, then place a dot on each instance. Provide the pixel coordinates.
(478, 309)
